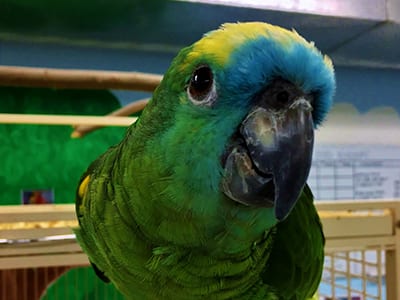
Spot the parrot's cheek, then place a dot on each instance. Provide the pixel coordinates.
(269, 158)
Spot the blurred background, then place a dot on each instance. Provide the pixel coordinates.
(357, 152)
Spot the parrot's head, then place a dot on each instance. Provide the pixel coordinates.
(240, 107)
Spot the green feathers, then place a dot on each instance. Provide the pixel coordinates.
(203, 197)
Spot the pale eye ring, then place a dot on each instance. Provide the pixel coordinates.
(201, 89)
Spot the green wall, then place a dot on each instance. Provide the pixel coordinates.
(45, 157)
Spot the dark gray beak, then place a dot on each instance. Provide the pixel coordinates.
(270, 157)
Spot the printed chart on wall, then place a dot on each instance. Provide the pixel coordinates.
(357, 155)
(355, 172)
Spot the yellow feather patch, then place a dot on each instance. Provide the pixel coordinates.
(81, 194)
(221, 43)
(328, 62)
(83, 186)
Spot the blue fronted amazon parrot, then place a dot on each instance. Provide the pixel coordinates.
(206, 195)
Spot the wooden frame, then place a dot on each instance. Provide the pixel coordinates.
(42, 236)
(348, 225)
(379, 232)
(77, 79)
(66, 120)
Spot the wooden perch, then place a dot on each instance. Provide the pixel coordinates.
(82, 130)
(77, 79)
(65, 120)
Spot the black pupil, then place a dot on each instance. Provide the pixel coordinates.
(201, 82)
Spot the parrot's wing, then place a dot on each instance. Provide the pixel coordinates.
(79, 206)
(100, 273)
(296, 261)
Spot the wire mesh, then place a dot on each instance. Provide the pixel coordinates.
(347, 275)
(355, 275)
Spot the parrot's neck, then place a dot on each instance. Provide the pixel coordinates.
(183, 273)
(190, 251)
(186, 236)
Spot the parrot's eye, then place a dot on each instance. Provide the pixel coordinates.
(201, 89)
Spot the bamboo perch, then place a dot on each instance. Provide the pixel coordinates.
(77, 79)
(81, 130)
(65, 120)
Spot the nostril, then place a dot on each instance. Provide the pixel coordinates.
(282, 97)
(278, 95)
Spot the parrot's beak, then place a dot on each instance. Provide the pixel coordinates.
(269, 158)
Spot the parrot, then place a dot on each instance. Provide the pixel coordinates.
(206, 195)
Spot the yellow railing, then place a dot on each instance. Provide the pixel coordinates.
(40, 236)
